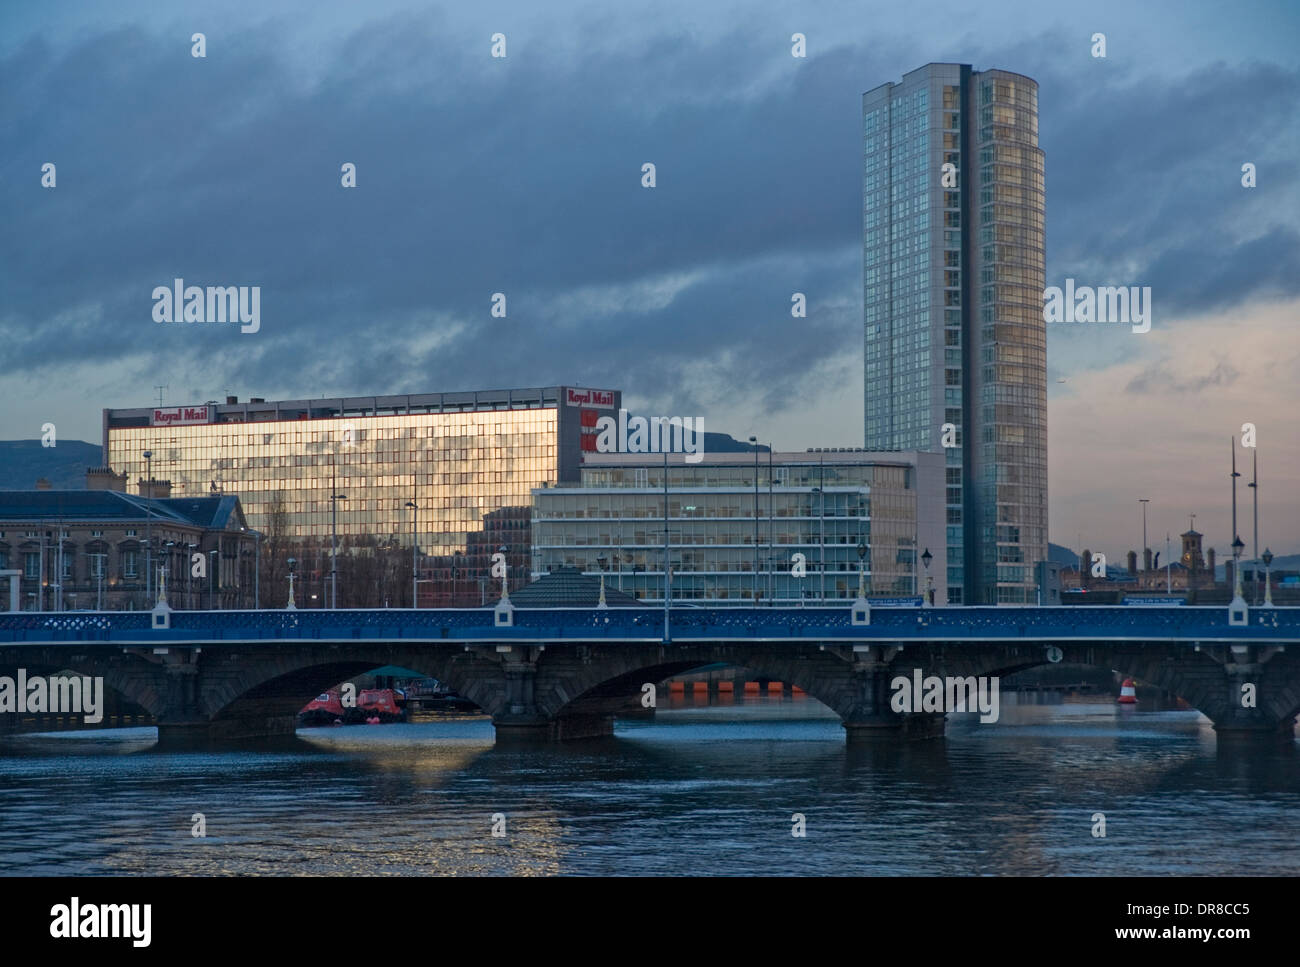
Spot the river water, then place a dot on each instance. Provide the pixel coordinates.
(699, 790)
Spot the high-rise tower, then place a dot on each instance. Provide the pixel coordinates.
(953, 278)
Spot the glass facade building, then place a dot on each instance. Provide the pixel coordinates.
(735, 528)
(468, 461)
(953, 278)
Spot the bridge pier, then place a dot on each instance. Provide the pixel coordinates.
(521, 730)
(1253, 731)
(894, 727)
(198, 734)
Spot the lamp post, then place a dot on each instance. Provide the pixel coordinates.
(822, 540)
(58, 566)
(171, 553)
(1237, 548)
(334, 547)
(291, 605)
(213, 561)
(771, 535)
(99, 575)
(1254, 496)
(257, 572)
(600, 562)
(415, 587)
(754, 442)
(148, 525)
(503, 550)
(926, 558)
(455, 564)
(862, 570)
(1267, 558)
(1144, 501)
(668, 571)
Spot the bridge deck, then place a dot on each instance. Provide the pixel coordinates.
(1187, 624)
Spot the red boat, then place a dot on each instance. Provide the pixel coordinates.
(381, 702)
(324, 709)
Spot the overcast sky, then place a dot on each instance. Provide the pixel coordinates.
(522, 175)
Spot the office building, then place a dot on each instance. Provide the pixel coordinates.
(736, 522)
(953, 279)
(309, 469)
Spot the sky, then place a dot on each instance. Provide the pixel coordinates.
(522, 175)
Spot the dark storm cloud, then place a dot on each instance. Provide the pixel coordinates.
(522, 176)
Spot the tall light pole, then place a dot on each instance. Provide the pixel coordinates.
(214, 560)
(668, 577)
(257, 572)
(148, 526)
(334, 542)
(1235, 475)
(771, 535)
(1254, 490)
(1144, 501)
(754, 442)
(291, 605)
(1237, 548)
(415, 518)
(1169, 585)
(58, 565)
(926, 558)
(1268, 585)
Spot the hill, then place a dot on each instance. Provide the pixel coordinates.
(22, 462)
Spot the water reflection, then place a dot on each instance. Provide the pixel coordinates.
(702, 788)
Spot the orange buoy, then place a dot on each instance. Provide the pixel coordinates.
(1128, 693)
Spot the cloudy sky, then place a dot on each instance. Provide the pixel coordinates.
(522, 175)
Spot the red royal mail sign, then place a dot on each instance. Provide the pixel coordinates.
(603, 398)
(180, 416)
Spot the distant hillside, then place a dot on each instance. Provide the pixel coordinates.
(22, 462)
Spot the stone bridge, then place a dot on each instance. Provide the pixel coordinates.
(565, 673)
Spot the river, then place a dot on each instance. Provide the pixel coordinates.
(699, 790)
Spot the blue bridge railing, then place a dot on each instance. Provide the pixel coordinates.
(558, 624)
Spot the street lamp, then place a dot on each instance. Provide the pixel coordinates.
(291, 605)
(455, 565)
(754, 441)
(926, 558)
(505, 571)
(822, 539)
(334, 547)
(166, 568)
(862, 570)
(148, 525)
(415, 517)
(212, 579)
(1237, 548)
(1144, 501)
(257, 572)
(1267, 558)
(600, 562)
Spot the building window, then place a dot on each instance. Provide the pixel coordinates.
(32, 565)
(130, 533)
(129, 559)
